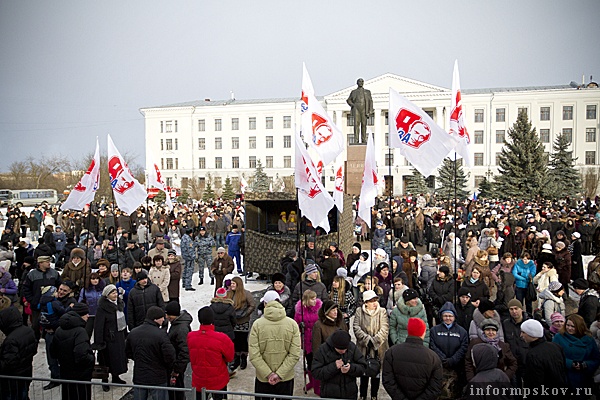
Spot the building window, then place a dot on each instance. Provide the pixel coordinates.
(168, 126)
(478, 159)
(269, 162)
(176, 145)
(500, 136)
(389, 159)
(545, 114)
(387, 139)
(169, 181)
(218, 143)
(269, 142)
(218, 182)
(269, 123)
(522, 110)
(252, 162)
(201, 143)
(218, 163)
(218, 125)
(235, 142)
(235, 162)
(184, 183)
(567, 113)
(351, 139)
(201, 163)
(478, 137)
(287, 121)
(235, 124)
(162, 163)
(500, 114)
(371, 120)
(545, 135)
(590, 158)
(177, 163)
(287, 142)
(252, 123)
(169, 143)
(162, 144)
(430, 113)
(175, 126)
(386, 116)
(590, 111)
(161, 127)
(350, 120)
(478, 115)
(252, 142)
(169, 163)
(235, 183)
(568, 132)
(201, 125)
(590, 134)
(287, 161)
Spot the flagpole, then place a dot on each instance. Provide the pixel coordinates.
(455, 231)
(297, 224)
(390, 193)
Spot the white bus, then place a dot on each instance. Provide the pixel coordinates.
(28, 197)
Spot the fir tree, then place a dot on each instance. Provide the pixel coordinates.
(209, 193)
(416, 183)
(486, 189)
(160, 197)
(260, 183)
(564, 178)
(228, 193)
(183, 197)
(522, 164)
(447, 181)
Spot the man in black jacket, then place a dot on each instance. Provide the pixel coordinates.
(144, 295)
(337, 363)
(153, 355)
(464, 308)
(16, 353)
(512, 335)
(589, 302)
(180, 322)
(133, 253)
(545, 361)
(411, 370)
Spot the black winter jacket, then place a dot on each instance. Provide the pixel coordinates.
(19, 346)
(177, 333)
(442, 291)
(545, 365)
(35, 280)
(224, 315)
(411, 371)
(485, 358)
(152, 352)
(140, 299)
(108, 337)
(512, 336)
(589, 304)
(71, 346)
(450, 344)
(335, 384)
(464, 314)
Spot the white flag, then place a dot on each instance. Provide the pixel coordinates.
(458, 128)
(368, 191)
(271, 187)
(282, 187)
(85, 190)
(155, 179)
(418, 137)
(129, 193)
(313, 200)
(317, 127)
(338, 191)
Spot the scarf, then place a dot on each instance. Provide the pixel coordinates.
(121, 323)
(373, 328)
(494, 342)
(473, 280)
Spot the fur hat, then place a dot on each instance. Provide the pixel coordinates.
(485, 305)
(328, 305)
(409, 294)
(103, 261)
(278, 277)
(77, 252)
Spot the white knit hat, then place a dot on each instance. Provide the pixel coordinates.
(269, 296)
(533, 328)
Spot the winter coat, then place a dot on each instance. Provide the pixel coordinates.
(334, 383)
(450, 344)
(582, 349)
(464, 314)
(209, 351)
(8, 286)
(549, 304)
(502, 266)
(226, 265)
(442, 290)
(175, 277)
(178, 333)
(316, 286)
(309, 315)
(371, 326)
(351, 259)
(18, 347)
(108, 338)
(91, 296)
(428, 272)
(161, 278)
(589, 304)
(523, 273)
(479, 290)
(412, 371)
(575, 248)
(360, 268)
(285, 298)
(133, 255)
(224, 315)
(243, 315)
(544, 365)
(274, 344)
(141, 298)
(475, 327)
(71, 347)
(563, 265)
(152, 353)
(507, 362)
(77, 273)
(35, 280)
(399, 321)
(485, 359)
(293, 272)
(329, 267)
(325, 327)
(542, 280)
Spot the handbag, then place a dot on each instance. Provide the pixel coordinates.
(100, 371)
(531, 294)
(373, 364)
(492, 251)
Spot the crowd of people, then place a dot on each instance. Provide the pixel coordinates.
(441, 304)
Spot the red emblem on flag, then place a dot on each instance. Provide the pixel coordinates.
(322, 132)
(119, 183)
(457, 117)
(411, 128)
(79, 187)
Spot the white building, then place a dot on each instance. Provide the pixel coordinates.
(225, 138)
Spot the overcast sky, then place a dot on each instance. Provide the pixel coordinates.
(74, 70)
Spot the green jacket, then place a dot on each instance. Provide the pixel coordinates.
(274, 344)
(399, 321)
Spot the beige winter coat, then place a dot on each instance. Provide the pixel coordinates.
(371, 325)
(161, 278)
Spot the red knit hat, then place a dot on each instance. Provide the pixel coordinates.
(416, 327)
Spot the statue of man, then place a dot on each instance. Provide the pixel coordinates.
(361, 106)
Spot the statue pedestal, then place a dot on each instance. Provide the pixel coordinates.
(355, 166)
